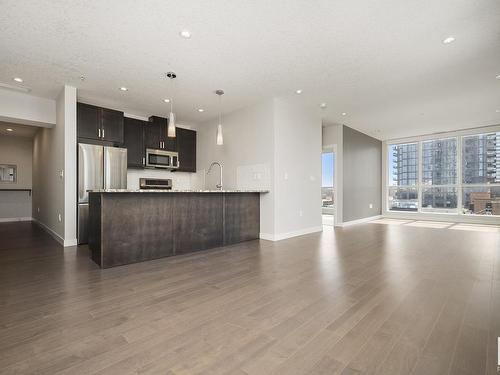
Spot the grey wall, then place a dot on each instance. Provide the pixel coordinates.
(16, 205)
(362, 175)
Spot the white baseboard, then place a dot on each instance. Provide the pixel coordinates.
(50, 231)
(13, 219)
(72, 242)
(283, 236)
(359, 221)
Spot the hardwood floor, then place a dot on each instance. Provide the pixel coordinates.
(367, 299)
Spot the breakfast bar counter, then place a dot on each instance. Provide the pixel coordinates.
(129, 226)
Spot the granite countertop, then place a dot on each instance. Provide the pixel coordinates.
(173, 191)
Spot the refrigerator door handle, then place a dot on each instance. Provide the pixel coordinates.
(99, 131)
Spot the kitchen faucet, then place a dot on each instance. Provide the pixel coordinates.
(219, 185)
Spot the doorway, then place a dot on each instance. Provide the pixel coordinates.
(328, 194)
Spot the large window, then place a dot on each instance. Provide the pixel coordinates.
(437, 175)
(481, 174)
(403, 177)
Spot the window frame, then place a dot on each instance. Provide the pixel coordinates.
(460, 186)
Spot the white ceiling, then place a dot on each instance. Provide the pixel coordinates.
(381, 62)
(26, 131)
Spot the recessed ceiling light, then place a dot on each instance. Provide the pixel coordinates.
(497, 110)
(322, 105)
(166, 100)
(344, 114)
(201, 110)
(123, 88)
(17, 79)
(186, 34)
(9, 130)
(498, 76)
(449, 40)
(299, 91)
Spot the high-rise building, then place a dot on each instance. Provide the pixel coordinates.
(481, 159)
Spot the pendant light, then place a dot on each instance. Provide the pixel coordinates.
(220, 138)
(171, 116)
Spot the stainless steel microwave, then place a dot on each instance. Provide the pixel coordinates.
(162, 159)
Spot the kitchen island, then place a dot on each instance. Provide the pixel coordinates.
(129, 226)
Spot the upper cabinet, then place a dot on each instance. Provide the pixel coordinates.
(134, 142)
(186, 146)
(87, 121)
(100, 124)
(156, 135)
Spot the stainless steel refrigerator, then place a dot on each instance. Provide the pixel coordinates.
(99, 167)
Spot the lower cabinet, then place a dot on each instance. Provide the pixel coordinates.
(199, 222)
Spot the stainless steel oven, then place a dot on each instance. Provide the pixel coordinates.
(162, 159)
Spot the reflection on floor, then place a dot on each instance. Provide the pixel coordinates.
(440, 225)
(328, 220)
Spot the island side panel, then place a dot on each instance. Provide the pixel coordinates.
(136, 227)
(241, 217)
(95, 227)
(197, 221)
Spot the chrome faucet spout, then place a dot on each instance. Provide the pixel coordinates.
(219, 185)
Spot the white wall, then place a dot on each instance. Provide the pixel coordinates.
(262, 143)
(27, 109)
(66, 112)
(54, 171)
(247, 155)
(17, 151)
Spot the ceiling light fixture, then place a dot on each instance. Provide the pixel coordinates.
(298, 92)
(497, 110)
(449, 40)
(322, 105)
(498, 76)
(171, 116)
(344, 114)
(220, 137)
(166, 100)
(201, 110)
(186, 34)
(123, 89)
(9, 130)
(17, 79)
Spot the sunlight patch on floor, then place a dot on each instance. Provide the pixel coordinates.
(439, 225)
(430, 224)
(477, 228)
(391, 221)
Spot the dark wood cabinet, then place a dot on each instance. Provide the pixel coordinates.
(87, 120)
(186, 147)
(99, 124)
(112, 125)
(156, 135)
(152, 134)
(133, 136)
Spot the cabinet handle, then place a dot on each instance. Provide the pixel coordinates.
(103, 132)
(159, 144)
(143, 161)
(99, 133)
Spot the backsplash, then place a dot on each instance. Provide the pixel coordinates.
(180, 180)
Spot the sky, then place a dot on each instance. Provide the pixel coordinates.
(327, 165)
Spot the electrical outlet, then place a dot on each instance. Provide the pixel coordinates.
(38, 209)
(61, 174)
(286, 176)
(301, 213)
